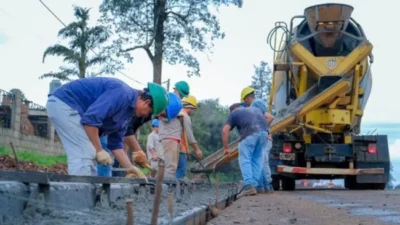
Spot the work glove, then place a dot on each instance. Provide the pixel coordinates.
(104, 158)
(134, 172)
(139, 158)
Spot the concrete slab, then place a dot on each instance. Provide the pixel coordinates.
(13, 198)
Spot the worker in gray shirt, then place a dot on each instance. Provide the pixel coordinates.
(153, 147)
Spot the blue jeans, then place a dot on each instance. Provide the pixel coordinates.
(266, 180)
(103, 170)
(182, 166)
(251, 157)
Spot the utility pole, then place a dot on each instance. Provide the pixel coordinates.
(167, 82)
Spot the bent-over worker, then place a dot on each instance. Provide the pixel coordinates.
(84, 109)
(189, 105)
(252, 127)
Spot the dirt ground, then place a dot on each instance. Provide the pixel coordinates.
(314, 207)
(9, 163)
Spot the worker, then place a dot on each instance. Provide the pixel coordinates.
(189, 105)
(247, 96)
(182, 89)
(170, 136)
(252, 127)
(153, 146)
(265, 183)
(84, 109)
(138, 155)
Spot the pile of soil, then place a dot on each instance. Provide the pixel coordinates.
(9, 163)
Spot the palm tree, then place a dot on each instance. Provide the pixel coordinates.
(82, 39)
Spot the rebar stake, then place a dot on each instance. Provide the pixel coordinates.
(15, 155)
(157, 194)
(129, 212)
(171, 205)
(216, 190)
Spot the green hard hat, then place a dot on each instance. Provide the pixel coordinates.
(159, 96)
(183, 88)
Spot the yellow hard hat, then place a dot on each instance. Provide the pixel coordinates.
(245, 92)
(189, 100)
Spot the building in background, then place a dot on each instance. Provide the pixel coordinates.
(54, 84)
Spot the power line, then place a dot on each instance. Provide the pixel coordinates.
(90, 49)
(38, 36)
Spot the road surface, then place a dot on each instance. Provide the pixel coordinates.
(314, 207)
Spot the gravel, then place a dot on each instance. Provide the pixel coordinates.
(314, 207)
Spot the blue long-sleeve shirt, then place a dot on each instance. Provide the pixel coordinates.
(102, 102)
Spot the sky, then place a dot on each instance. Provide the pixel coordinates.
(26, 31)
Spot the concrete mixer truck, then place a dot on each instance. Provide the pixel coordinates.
(321, 83)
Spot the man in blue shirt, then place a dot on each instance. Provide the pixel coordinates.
(253, 129)
(265, 184)
(84, 109)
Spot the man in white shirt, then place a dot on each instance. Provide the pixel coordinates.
(153, 147)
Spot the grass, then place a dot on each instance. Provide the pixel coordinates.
(38, 159)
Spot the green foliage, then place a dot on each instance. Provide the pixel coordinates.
(22, 93)
(82, 39)
(262, 80)
(169, 30)
(391, 178)
(38, 159)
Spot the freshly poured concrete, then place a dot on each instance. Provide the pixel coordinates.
(79, 204)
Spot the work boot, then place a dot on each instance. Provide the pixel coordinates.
(246, 191)
(269, 189)
(260, 190)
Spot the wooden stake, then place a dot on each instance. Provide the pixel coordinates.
(129, 212)
(171, 205)
(216, 190)
(157, 194)
(15, 154)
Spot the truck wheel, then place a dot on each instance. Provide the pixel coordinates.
(276, 184)
(350, 183)
(288, 184)
(379, 186)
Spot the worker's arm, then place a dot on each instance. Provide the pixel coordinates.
(190, 137)
(225, 137)
(269, 117)
(115, 143)
(93, 134)
(132, 143)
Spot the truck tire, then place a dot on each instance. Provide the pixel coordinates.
(276, 184)
(288, 184)
(379, 186)
(351, 184)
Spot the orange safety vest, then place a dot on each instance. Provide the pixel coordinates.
(184, 142)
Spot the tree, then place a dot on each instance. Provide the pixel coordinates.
(262, 80)
(169, 30)
(82, 39)
(23, 98)
(391, 178)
